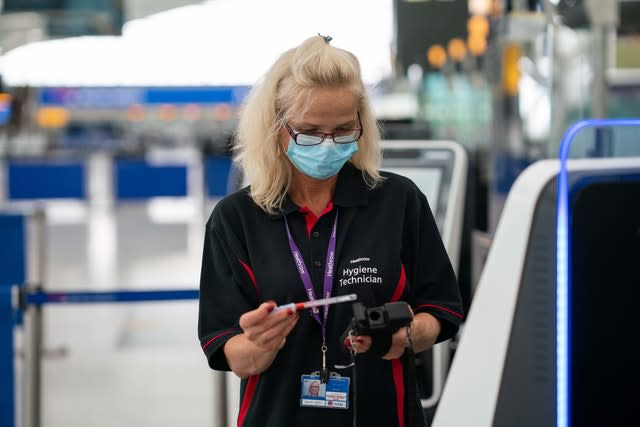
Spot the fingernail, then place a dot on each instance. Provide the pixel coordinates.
(290, 312)
(270, 308)
(346, 343)
(360, 340)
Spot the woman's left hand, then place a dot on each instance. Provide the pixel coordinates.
(398, 344)
(424, 331)
(362, 344)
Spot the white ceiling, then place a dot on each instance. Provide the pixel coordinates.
(218, 42)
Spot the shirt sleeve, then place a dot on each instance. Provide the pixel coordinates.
(431, 282)
(227, 289)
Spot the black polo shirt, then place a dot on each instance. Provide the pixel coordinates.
(388, 249)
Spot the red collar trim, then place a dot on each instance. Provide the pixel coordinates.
(311, 218)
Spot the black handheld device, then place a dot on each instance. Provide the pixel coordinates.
(385, 318)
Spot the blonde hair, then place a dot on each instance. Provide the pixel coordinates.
(283, 89)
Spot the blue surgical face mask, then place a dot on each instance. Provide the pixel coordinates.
(323, 160)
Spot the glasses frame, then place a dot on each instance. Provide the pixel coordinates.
(294, 134)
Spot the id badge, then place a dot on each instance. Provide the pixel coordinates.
(332, 394)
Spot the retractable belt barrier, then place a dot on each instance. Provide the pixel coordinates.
(20, 297)
(40, 297)
(17, 299)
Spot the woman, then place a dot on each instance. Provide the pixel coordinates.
(319, 219)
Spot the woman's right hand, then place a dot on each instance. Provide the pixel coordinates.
(265, 333)
(266, 329)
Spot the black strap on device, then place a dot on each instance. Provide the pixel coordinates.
(380, 323)
(381, 343)
(410, 397)
(409, 372)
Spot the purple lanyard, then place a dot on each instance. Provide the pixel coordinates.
(328, 273)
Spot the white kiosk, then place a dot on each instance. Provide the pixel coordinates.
(511, 367)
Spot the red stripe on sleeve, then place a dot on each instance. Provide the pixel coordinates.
(398, 381)
(251, 275)
(455, 313)
(252, 382)
(400, 286)
(205, 345)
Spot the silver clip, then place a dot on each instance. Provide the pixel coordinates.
(324, 372)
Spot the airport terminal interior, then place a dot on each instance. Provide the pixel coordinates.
(518, 119)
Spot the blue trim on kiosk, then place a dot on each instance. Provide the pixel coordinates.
(563, 269)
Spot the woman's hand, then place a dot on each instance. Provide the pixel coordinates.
(358, 343)
(399, 342)
(264, 334)
(266, 330)
(362, 344)
(424, 331)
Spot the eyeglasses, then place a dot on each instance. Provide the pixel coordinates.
(339, 136)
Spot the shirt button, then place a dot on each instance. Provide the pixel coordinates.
(317, 263)
(316, 234)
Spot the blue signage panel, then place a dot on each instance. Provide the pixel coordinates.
(99, 97)
(196, 95)
(122, 97)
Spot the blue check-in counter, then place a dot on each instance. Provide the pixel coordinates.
(45, 179)
(139, 179)
(218, 176)
(127, 179)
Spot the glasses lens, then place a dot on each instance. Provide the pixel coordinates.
(307, 139)
(346, 138)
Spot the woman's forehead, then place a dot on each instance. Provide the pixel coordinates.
(326, 106)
